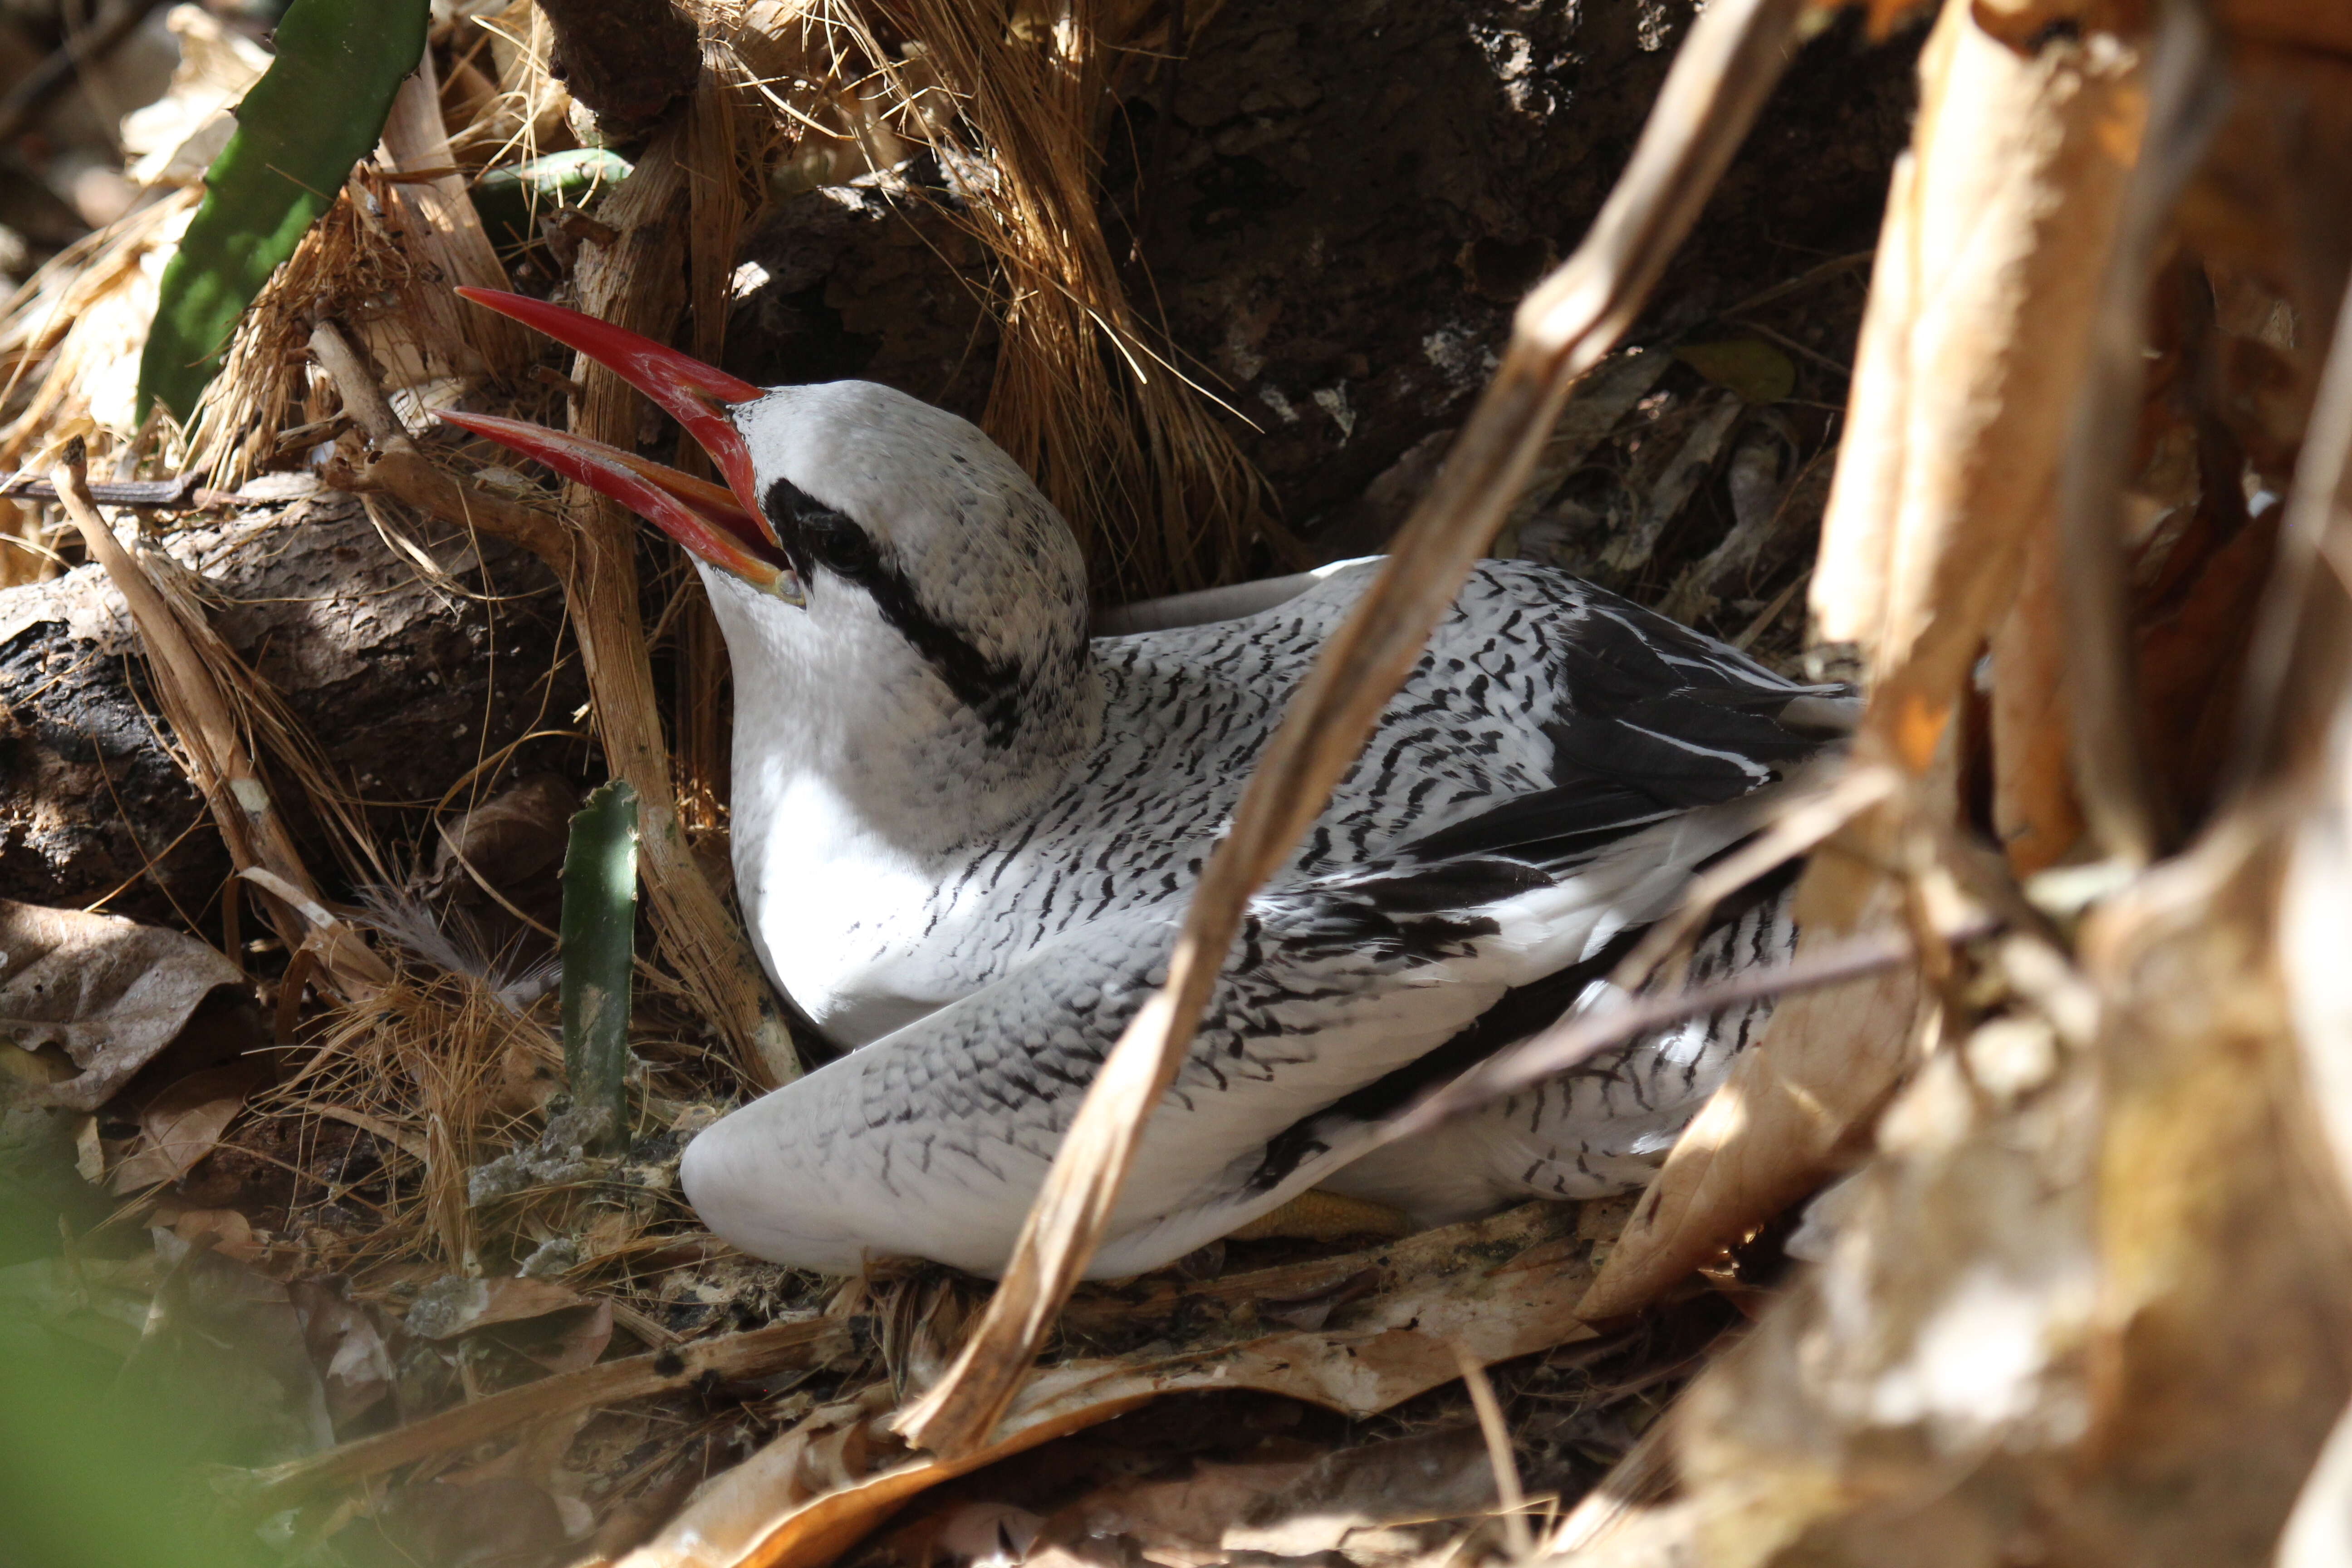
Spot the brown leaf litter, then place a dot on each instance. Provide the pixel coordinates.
(109, 993)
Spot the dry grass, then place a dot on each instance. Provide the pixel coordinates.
(1084, 396)
(70, 339)
(451, 1074)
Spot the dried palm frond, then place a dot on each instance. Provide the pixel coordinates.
(1118, 437)
(72, 334)
(529, 112)
(442, 1071)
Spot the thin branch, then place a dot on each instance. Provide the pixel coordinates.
(399, 469)
(2121, 800)
(1576, 1041)
(1733, 56)
(753, 1353)
(1510, 1497)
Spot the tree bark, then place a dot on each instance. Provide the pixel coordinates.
(405, 685)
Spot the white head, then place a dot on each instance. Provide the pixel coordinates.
(893, 513)
(904, 611)
(942, 621)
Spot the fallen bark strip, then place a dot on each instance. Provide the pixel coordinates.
(752, 1354)
(1576, 1041)
(188, 685)
(1734, 56)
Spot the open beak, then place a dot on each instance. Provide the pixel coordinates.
(708, 521)
(723, 528)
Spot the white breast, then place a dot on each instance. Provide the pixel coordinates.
(827, 902)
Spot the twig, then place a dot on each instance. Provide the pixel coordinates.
(1576, 1041)
(1791, 344)
(199, 709)
(753, 1353)
(1734, 55)
(2122, 803)
(1510, 1498)
(362, 399)
(2295, 665)
(117, 492)
(1771, 612)
(1835, 267)
(400, 470)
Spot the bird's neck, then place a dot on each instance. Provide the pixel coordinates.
(911, 752)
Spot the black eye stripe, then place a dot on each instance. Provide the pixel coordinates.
(814, 534)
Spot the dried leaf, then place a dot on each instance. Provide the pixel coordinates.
(578, 1341)
(497, 1520)
(1750, 368)
(512, 835)
(1497, 1288)
(112, 992)
(1210, 1512)
(1718, 82)
(1446, 1474)
(753, 1353)
(347, 1348)
(184, 1122)
(225, 1231)
(1692, 460)
(173, 139)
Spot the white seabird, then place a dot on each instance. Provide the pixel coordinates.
(964, 834)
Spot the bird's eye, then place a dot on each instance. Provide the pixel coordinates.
(814, 534)
(834, 540)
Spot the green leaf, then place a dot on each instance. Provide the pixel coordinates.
(1750, 368)
(600, 926)
(510, 199)
(316, 111)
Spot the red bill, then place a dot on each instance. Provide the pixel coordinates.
(694, 394)
(708, 520)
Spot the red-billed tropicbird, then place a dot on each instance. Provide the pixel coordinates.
(964, 834)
